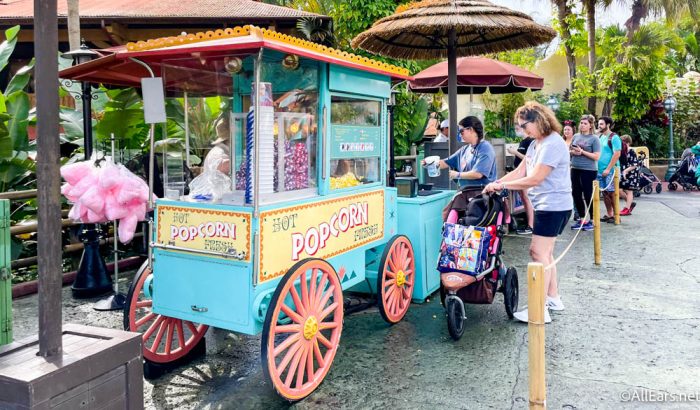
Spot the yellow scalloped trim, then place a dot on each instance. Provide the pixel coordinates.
(268, 34)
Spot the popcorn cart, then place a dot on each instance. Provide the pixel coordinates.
(303, 214)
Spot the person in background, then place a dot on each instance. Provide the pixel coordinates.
(218, 157)
(545, 175)
(431, 127)
(610, 147)
(585, 151)
(444, 134)
(568, 132)
(474, 164)
(629, 177)
(519, 155)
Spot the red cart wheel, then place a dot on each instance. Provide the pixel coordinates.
(396, 280)
(302, 328)
(165, 339)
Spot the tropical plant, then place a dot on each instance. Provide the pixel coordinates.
(16, 165)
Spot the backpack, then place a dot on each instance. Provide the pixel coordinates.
(623, 152)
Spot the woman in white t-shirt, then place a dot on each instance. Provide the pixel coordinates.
(545, 175)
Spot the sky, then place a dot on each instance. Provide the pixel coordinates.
(542, 11)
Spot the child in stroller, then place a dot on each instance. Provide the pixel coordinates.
(685, 175)
(489, 216)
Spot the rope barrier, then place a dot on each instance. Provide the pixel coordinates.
(579, 229)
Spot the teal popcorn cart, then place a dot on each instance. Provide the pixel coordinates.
(300, 210)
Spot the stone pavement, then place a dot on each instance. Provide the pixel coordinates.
(630, 324)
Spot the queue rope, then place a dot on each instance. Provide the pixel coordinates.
(578, 231)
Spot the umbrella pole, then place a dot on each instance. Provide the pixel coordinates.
(452, 88)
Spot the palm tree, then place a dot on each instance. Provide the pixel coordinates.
(589, 6)
(563, 12)
(312, 28)
(671, 8)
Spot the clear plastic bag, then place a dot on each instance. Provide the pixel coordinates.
(211, 184)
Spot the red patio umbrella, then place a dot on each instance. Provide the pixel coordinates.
(475, 75)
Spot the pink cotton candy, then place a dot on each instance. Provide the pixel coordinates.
(93, 199)
(95, 217)
(74, 212)
(114, 210)
(82, 186)
(65, 191)
(127, 193)
(127, 227)
(110, 177)
(73, 173)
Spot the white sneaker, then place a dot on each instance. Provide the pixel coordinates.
(554, 304)
(522, 316)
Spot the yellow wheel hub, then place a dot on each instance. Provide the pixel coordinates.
(400, 278)
(310, 327)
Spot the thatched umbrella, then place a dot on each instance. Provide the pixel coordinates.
(433, 29)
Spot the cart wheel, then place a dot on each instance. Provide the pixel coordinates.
(511, 292)
(396, 282)
(637, 194)
(647, 189)
(659, 188)
(455, 319)
(165, 339)
(672, 186)
(302, 328)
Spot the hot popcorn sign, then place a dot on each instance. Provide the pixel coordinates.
(202, 229)
(320, 230)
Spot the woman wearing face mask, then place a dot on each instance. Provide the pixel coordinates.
(585, 151)
(475, 163)
(545, 175)
(519, 155)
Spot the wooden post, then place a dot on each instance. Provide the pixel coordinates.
(536, 362)
(596, 222)
(616, 200)
(48, 178)
(5, 275)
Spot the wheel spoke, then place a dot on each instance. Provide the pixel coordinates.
(389, 292)
(327, 325)
(390, 262)
(304, 291)
(388, 283)
(293, 366)
(192, 328)
(320, 290)
(292, 314)
(284, 345)
(406, 294)
(312, 289)
(392, 300)
(302, 365)
(327, 311)
(144, 303)
(287, 328)
(180, 334)
(288, 357)
(326, 297)
(153, 327)
(318, 355)
(169, 337)
(310, 362)
(408, 283)
(321, 338)
(143, 320)
(159, 336)
(297, 301)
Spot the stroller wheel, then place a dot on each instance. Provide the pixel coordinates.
(687, 188)
(672, 186)
(647, 189)
(658, 188)
(637, 194)
(511, 292)
(455, 319)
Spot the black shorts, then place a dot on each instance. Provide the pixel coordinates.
(550, 223)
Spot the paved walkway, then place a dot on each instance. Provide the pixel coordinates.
(629, 325)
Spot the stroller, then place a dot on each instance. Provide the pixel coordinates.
(685, 175)
(648, 182)
(486, 217)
